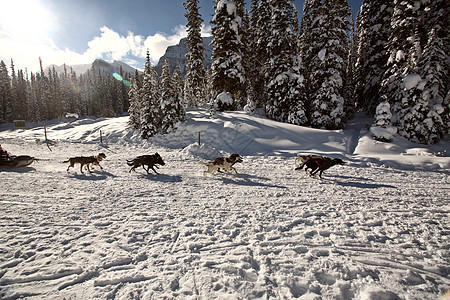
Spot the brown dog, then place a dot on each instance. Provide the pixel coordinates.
(85, 161)
(151, 161)
(304, 158)
(321, 164)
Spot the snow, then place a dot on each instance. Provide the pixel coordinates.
(376, 228)
(411, 81)
(322, 54)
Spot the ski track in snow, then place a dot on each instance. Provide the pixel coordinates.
(364, 231)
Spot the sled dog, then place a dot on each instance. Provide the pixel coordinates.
(225, 163)
(304, 158)
(321, 164)
(85, 161)
(151, 161)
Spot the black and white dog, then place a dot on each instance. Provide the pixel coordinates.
(225, 163)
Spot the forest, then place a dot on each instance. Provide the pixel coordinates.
(391, 63)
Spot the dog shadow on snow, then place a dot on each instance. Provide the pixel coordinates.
(249, 180)
(161, 177)
(358, 182)
(102, 175)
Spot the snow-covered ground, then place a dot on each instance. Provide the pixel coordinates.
(376, 228)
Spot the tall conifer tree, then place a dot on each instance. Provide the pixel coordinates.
(194, 91)
(284, 84)
(228, 74)
(150, 117)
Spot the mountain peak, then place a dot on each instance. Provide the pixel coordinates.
(176, 56)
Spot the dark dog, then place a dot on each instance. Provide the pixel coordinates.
(225, 163)
(321, 164)
(86, 161)
(146, 160)
(304, 158)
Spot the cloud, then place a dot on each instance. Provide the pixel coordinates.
(109, 45)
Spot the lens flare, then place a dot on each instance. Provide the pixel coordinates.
(117, 76)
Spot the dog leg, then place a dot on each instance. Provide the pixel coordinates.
(154, 170)
(300, 167)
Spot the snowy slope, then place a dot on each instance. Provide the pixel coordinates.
(376, 228)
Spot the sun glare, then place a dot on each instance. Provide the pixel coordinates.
(25, 19)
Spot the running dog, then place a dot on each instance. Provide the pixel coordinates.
(151, 161)
(321, 164)
(304, 158)
(225, 163)
(85, 161)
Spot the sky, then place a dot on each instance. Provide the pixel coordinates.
(80, 31)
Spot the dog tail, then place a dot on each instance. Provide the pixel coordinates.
(203, 163)
(66, 161)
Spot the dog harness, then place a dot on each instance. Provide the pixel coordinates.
(319, 160)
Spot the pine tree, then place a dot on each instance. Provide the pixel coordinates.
(172, 110)
(195, 70)
(425, 117)
(5, 94)
(373, 34)
(134, 95)
(328, 23)
(227, 68)
(179, 86)
(150, 116)
(403, 84)
(257, 53)
(284, 81)
(382, 129)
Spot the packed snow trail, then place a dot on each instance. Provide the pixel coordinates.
(365, 231)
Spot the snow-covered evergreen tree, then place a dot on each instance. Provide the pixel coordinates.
(383, 130)
(172, 110)
(373, 29)
(434, 67)
(257, 55)
(150, 116)
(416, 82)
(194, 90)
(400, 44)
(228, 74)
(33, 108)
(325, 49)
(134, 109)
(284, 82)
(179, 85)
(5, 94)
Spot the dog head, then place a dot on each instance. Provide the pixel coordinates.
(235, 158)
(101, 156)
(158, 159)
(337, 161)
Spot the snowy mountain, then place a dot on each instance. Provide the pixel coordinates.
(176, 55)
(98, 64)
(375, 228)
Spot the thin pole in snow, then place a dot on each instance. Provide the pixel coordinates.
(46, 139)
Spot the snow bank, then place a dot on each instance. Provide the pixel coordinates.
(364, 231)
